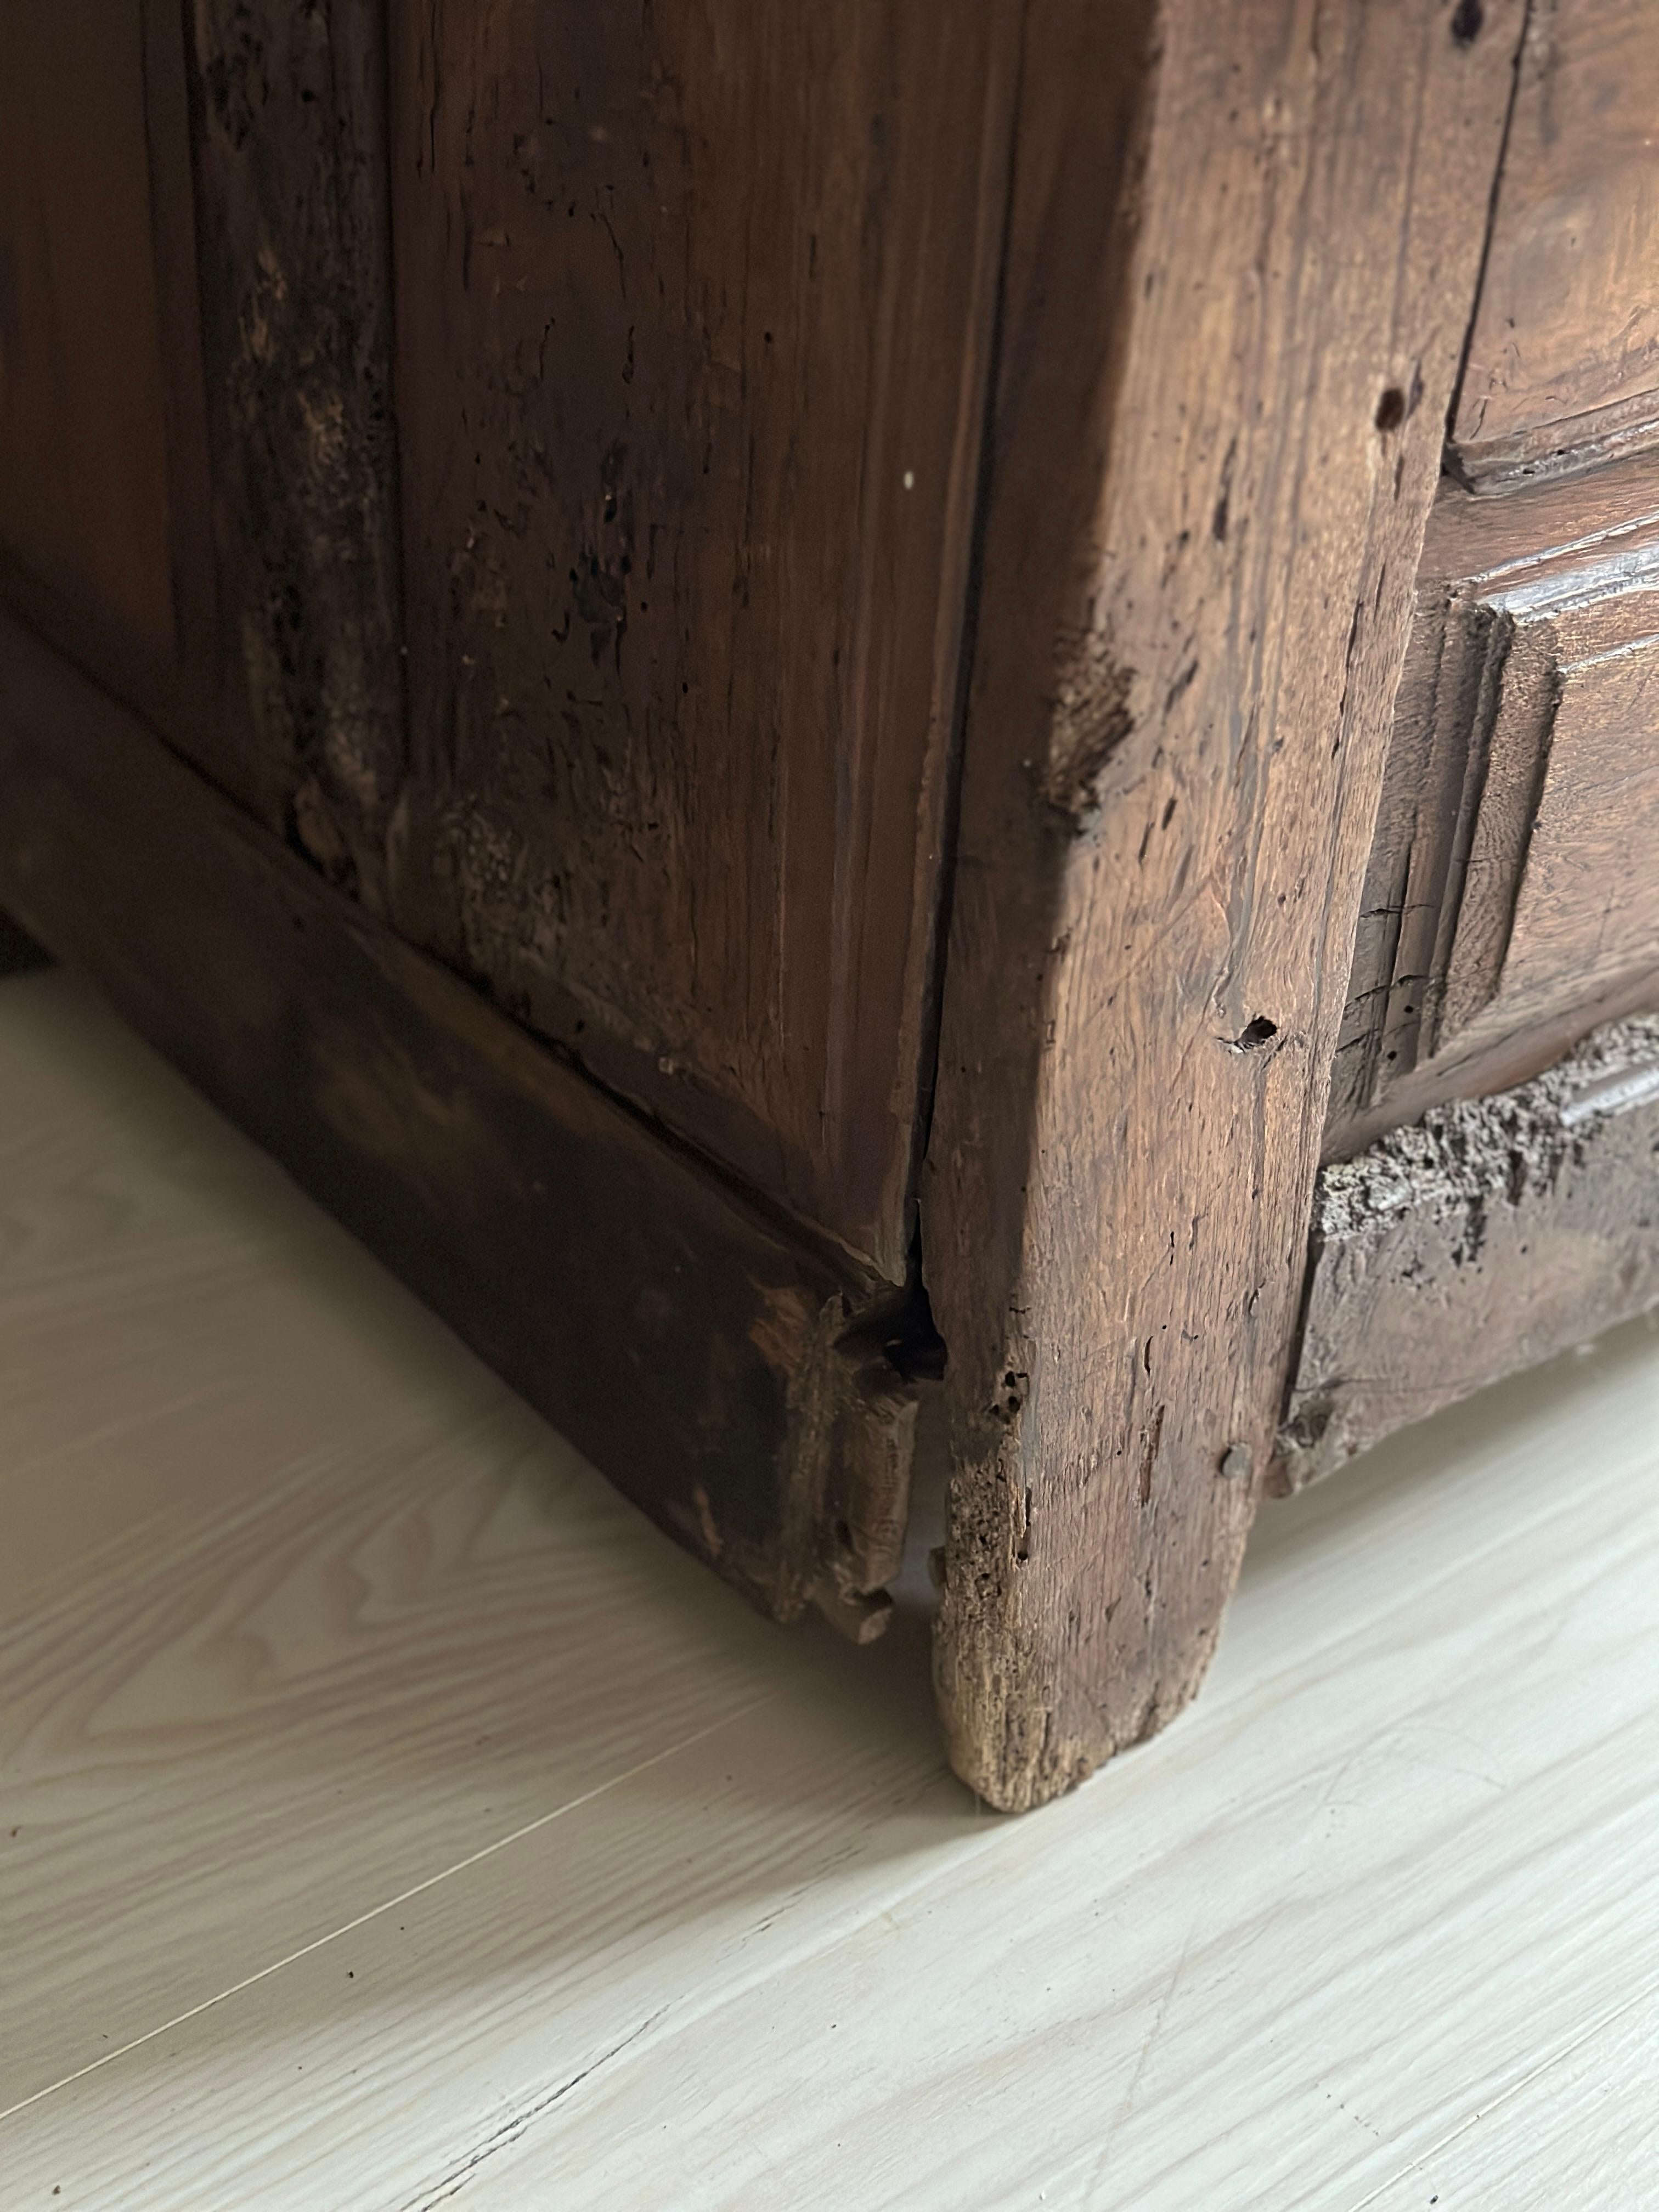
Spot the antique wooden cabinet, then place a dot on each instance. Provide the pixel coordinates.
(823, 704)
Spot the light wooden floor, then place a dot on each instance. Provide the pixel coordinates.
(388, 1816)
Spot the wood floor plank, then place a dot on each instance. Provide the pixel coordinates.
(299, 1605)
(1583, 2130)
(1401, 1845)
(144, 1253)
(426, 1828)
(1355, 1898)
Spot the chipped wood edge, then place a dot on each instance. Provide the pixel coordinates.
(1490, 1235)
(1135, 1053)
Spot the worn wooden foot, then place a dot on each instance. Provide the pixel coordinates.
(1239, 270)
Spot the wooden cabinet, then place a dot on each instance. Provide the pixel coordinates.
(1509, 901)
(739, 677)
(1491, 1195)
(1563, 362)
(692, 351)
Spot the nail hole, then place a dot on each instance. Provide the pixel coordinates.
(1258, 1032)
(1467, 19)
(1391, 409)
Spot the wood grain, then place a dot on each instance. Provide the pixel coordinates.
(289, 139)
(1240, 271)
(1586, 2125)
(694, 320)
(144, 1251)
(1491, 1234)
(280, 1556)
(1394, 1873)
(1507, 908)
(106, 509)
(719, 1368)
(84, 491)
(1563, 364)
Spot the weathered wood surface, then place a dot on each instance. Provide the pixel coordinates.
(718, 1371)
(1582, 2124)
(1243, 258)
(694, 316)
(288, 130)
(1486, 1236)
(1510, 903)
(1563, 357)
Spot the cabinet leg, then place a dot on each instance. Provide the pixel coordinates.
(1231, 318)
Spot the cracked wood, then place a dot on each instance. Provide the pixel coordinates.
(289, 132)
(1244, 254)
(693, 323)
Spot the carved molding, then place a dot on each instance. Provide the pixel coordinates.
(1523, 782)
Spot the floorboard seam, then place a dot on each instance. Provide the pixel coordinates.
(1557, 2058)
(416, 1889)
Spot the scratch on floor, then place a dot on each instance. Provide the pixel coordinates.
(1127, 2106)
(452, 2183)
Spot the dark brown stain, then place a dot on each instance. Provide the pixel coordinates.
(1092, 724)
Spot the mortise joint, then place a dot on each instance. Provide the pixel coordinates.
(865, 1510)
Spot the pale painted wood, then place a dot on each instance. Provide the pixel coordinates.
(704, 1921)
(1583, 2130)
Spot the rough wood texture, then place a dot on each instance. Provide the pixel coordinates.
(694, 316)
(1507, 907)
(1563, 358)
(1243, 257)
(1486, 1236)
(289, 124)
(721, 1373)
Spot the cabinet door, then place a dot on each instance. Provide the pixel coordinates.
(1490, 1194)
(695, 311)
(1512, 899)
(198, 484)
